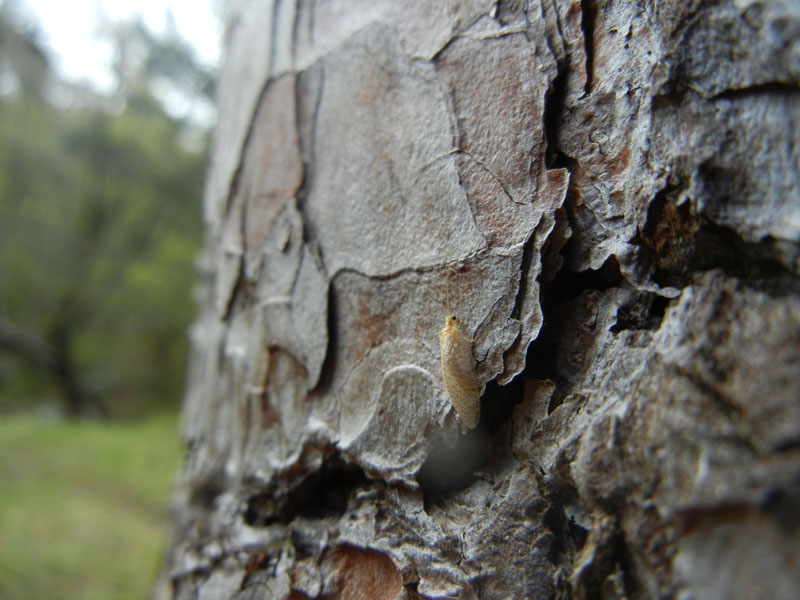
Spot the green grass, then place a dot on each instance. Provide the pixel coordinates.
(84, 507)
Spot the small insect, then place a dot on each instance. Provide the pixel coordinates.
(458, 371)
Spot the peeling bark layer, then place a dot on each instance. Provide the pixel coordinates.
(606, 194)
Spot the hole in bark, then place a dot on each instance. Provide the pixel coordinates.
(669, 234)
(204, 494)
(411, 590)
(646, 311)
(784, 506)
(205, 490)
(323, 493)
(577, 533)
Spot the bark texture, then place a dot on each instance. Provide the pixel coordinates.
(606, 194)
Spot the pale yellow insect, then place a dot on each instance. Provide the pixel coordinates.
(458, 371)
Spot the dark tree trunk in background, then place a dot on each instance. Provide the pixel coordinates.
(56, 360)
(607, 195)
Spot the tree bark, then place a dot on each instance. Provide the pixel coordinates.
(606, 195)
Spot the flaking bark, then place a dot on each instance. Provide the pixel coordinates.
(611, 191)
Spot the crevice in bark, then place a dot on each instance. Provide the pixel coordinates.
(611, 572)
(680, 243)
(309, 83)
(588, 19)
(542, 353)
(327, 372)
(236, 178)
(697, 519)
(524, 268)
(241, 285)
(325, 492)
(556, 400)
(438, 56)
(553, 107)
(301, 194)
(710, 389)
(789, 445)
(568, 284)
(497, 407)
(568, 536)
(551, 256)
(412, 592)
(772, 88)
(718, 246)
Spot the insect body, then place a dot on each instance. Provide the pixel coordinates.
(458, 371)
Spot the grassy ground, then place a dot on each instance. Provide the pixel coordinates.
(84, 507)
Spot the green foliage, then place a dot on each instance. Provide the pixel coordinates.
(99, 226)
(84, 507)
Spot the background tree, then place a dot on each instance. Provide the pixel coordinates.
(98, 225)
(607, 191)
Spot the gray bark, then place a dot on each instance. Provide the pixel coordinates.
(606, 193)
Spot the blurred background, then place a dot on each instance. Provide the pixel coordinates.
(106, 109)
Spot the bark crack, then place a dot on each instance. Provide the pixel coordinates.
(324, 492)
(588, 20)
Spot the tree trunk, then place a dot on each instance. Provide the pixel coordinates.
(56, 360)
(606, 195)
